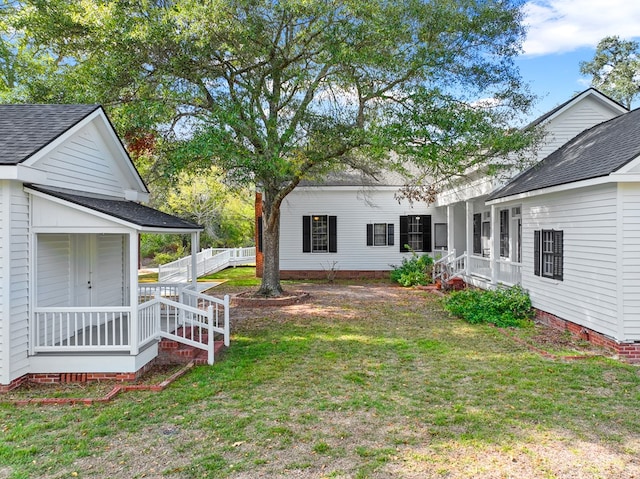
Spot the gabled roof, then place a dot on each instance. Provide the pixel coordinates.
(596, 152)
(129, 211)
(26, 129)
(588, 92)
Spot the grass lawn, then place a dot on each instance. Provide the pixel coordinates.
(361, 381)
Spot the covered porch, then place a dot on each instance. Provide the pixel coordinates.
(484, 244)
(88, 312)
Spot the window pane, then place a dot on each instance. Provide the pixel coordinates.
(319, 234)
(380, 234)
(415, 233)
(504, 233)
(547, 253)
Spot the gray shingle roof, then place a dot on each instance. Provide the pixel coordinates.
(596, 152)
(25, 129)
(129, 211)
(352, 177)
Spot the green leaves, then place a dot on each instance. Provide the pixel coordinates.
(274, 93)
(615, 69)
(413, 271)
(503, 307)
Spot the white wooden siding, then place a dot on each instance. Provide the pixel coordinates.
(354, 209)
(108, 276)
(84, 163)
(19, 274)
(568, 124)
(53, 270)
(49, 214)
(588, 293)
(630, 264)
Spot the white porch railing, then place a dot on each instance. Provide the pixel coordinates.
(82, 329)
(170, 311)
(508, 272)
(208, 261)
(481, 267)
(449, 266)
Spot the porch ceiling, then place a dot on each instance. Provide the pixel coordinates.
(142, 217)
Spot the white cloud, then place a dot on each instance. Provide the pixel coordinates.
(557, 26)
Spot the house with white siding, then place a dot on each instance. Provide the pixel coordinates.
(355, 226)
(572, 240)
(580, 233)
(70, 219)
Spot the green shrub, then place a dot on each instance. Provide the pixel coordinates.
(413, 271)
(504, 307)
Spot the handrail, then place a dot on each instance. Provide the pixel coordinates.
(207, 261)
(449, 266)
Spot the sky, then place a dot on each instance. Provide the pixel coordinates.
(561, 34)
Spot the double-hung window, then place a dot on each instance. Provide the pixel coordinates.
(380, 234)
(504, 233)
(319, 234)
(415, 233)
(548, 254)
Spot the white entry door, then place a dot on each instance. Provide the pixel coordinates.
(83, 264)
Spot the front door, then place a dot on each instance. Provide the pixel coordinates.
(83, 264)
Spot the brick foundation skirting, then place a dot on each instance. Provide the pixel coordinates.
(303, 274)
(56, 378)
(629, 352)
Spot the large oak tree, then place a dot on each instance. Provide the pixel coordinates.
(275, 92)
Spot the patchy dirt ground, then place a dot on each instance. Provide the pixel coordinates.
(326, 299)
(374, 381)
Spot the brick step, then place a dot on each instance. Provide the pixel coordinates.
(180, 352)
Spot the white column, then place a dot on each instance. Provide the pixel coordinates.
(195, 244)
(469, 228)
(494, 243)
(133, 291)
(451, 226)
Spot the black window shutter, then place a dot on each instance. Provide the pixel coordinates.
(425, 220)
(404, 233)
(259, 226)
(390, 234)
(306, 234)
(369, 234)
(558, 255)
(536, 252)
(333, 234)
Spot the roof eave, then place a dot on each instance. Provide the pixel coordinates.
(553, 189)
(114, 219)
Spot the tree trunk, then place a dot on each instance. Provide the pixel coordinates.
(270, 286)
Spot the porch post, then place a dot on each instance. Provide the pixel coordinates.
(450, 229)
(195, 243)
(133, 292)
(494, 244)
(469, 228)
